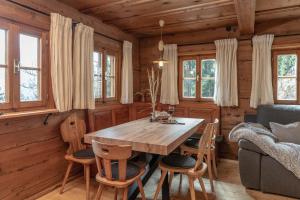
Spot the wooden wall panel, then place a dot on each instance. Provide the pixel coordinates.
(31, 155)
(103, 119)
(142, 110)
(122, 115)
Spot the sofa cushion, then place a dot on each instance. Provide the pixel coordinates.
(286, 133)
(283, 114)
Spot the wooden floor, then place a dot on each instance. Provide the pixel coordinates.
(228, 187)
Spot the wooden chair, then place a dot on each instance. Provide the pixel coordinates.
(183, 164)
(72, 131)
(190, 147)
(115, 171)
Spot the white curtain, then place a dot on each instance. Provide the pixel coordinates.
(127, 74)
(169, 89)
(83, 75)
(226, 91)
(61, 61)
(262, 90)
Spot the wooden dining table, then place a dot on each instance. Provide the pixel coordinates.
(149, 137)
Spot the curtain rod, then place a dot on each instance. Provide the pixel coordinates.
(74, 22)
(212, 42)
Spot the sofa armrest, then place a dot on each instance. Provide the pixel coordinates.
(249, 166)
(246, 144)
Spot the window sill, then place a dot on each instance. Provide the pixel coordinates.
(11, 115)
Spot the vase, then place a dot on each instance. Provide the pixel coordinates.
(153, 114)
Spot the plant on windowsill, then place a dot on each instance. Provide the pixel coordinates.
(154, 80)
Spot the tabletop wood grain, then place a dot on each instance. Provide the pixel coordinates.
(146, 136)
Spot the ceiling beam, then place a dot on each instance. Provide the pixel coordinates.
(245, 10)
(278, 13)
(188, 25)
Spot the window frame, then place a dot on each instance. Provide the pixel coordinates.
(205, 57)
(198, 59)
(116, 54)
(13, 53)
(9, 79)
(275, 53)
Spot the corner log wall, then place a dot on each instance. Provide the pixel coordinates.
(195, 43)
(31, 153)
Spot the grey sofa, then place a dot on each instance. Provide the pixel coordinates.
(258, 170)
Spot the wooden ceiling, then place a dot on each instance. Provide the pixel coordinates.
(140, 17)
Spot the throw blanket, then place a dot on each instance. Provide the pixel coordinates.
(287, 154)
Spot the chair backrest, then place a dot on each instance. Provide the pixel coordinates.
(106, 154)
(215, 131)
(72, 131)
(206, 142)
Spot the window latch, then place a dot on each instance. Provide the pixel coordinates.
(197, 77)
(16, 66)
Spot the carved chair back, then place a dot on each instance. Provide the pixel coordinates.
(72, 131)
(107, 154)
(206, 142)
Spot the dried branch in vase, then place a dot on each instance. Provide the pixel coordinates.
(154, 80)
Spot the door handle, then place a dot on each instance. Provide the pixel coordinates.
(16, 66)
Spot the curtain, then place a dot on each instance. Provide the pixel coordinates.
(262, 90)
(83, 75)
(127, 74)
(226, 91)
(61, 61)
(169, 90)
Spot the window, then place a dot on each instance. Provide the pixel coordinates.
(105, 86)
(286, 76)
(110, 74)
(97, 75)
(208, 78)
(197, 77)
(3, 66)
(189, 78)
(23, 72)
(29, 68)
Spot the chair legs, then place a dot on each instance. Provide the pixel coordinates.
(170, 180)
(214, 163)
(125, 194)
(208, 162)
(160, 183)
(203, 188)
(116, 194)
(140, 184)
(87, 180)
(192, 188)
(86, 174)
(99, 192)
(66, 176)
(180, 181)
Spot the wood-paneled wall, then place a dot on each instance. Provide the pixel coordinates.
(31, 155)
(111, 115)
(197, 43)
